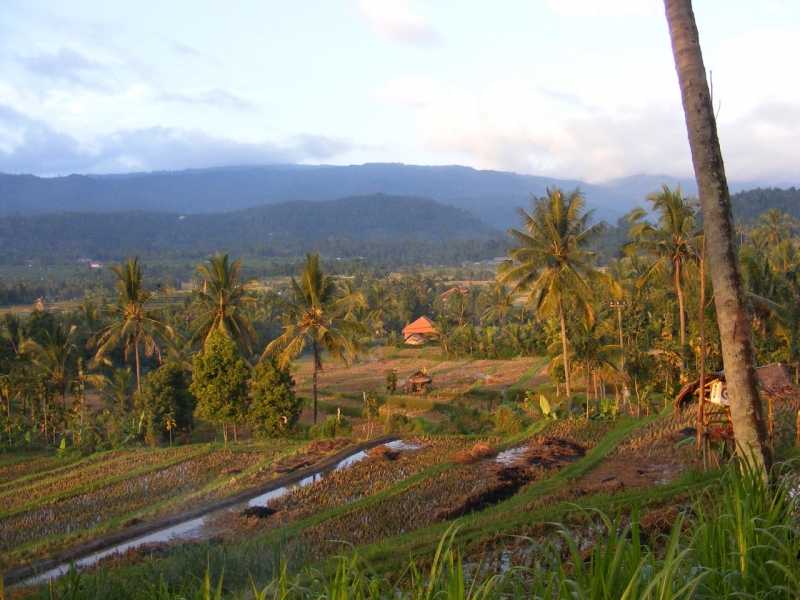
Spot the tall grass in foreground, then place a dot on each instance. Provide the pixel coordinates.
(740, 540)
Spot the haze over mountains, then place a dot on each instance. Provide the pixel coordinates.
(490, 195)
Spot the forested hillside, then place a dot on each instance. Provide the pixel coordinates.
(491, 195)
(750, 204)
(348, 226)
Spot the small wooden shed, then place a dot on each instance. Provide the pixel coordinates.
(418, 382)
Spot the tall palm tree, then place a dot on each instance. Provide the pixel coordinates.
(747, 416)
(314, 314)
(672, 240)
(551, 265)
(135, 325)
(223, 299)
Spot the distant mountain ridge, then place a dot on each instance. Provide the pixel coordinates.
(491, 195)
(271, 229)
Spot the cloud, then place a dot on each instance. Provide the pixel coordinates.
(395, 21)
(606, 8)
(216, 98)
(515, 125)
(38, 148)
(65, 65)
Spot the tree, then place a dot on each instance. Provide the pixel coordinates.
(314, 314)
(135, 324)
(220, 378)
(550, 265)
(673, 241)
(274, 407)
(54, 361)
(737, 352)
(223, 299)
(165, 397)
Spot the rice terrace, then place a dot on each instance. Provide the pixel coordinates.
(238, 362)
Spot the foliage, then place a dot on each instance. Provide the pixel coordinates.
(220, 379)
(165, 398)
(509, 420)
(222, 300)
(332, 427)
(274, 407)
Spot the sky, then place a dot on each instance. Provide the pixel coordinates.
(579, 89)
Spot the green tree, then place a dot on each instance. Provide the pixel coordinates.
(220, 379)
(53, 360)
(314, 314)
(274, 407)
(673, 241)
(550, 264)
(135, 325)
(223, 298)
(165, 396)
(747, 416)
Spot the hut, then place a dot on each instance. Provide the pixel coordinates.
(714, 422)
(773, 380)
(418, 382)
(417, 332)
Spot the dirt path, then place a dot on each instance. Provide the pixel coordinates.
(141, 529)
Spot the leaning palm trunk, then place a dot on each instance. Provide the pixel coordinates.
(737, 353)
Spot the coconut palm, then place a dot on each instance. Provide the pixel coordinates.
(135, 325)
(773, 228)
(737, 351)
(314, 314)
(673, 241)
(551, 265)
(55, 360)
(223, 299)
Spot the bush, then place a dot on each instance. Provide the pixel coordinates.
(332, 427)
(508, 420)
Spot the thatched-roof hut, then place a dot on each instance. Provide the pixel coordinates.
(418, 382)
(773, 380)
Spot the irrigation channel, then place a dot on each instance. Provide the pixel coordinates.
(196, 524)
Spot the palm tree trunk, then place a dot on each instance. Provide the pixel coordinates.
(564, 352)
(314, 379)
(682, 319)
(747, 416)
(136, 353)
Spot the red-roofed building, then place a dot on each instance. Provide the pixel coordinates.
(421, 327)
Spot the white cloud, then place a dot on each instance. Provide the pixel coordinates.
(397, 22)
(33, 146)
(604, 8)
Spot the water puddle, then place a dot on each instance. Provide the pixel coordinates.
(201, 528)
(511, 456)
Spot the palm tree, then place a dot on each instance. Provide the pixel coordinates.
(550, 265)
(314, 314)
(382, 307)
(223, 299)
(672, 241)
(56, 362)
(773, 228)
(747, 416)
(135, 324)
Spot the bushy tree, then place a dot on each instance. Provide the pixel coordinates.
(166, 401)
(219, 382)
(274, 407)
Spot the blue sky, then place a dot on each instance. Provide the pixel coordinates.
(565, 88)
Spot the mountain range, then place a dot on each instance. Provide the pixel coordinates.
(490, 195)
